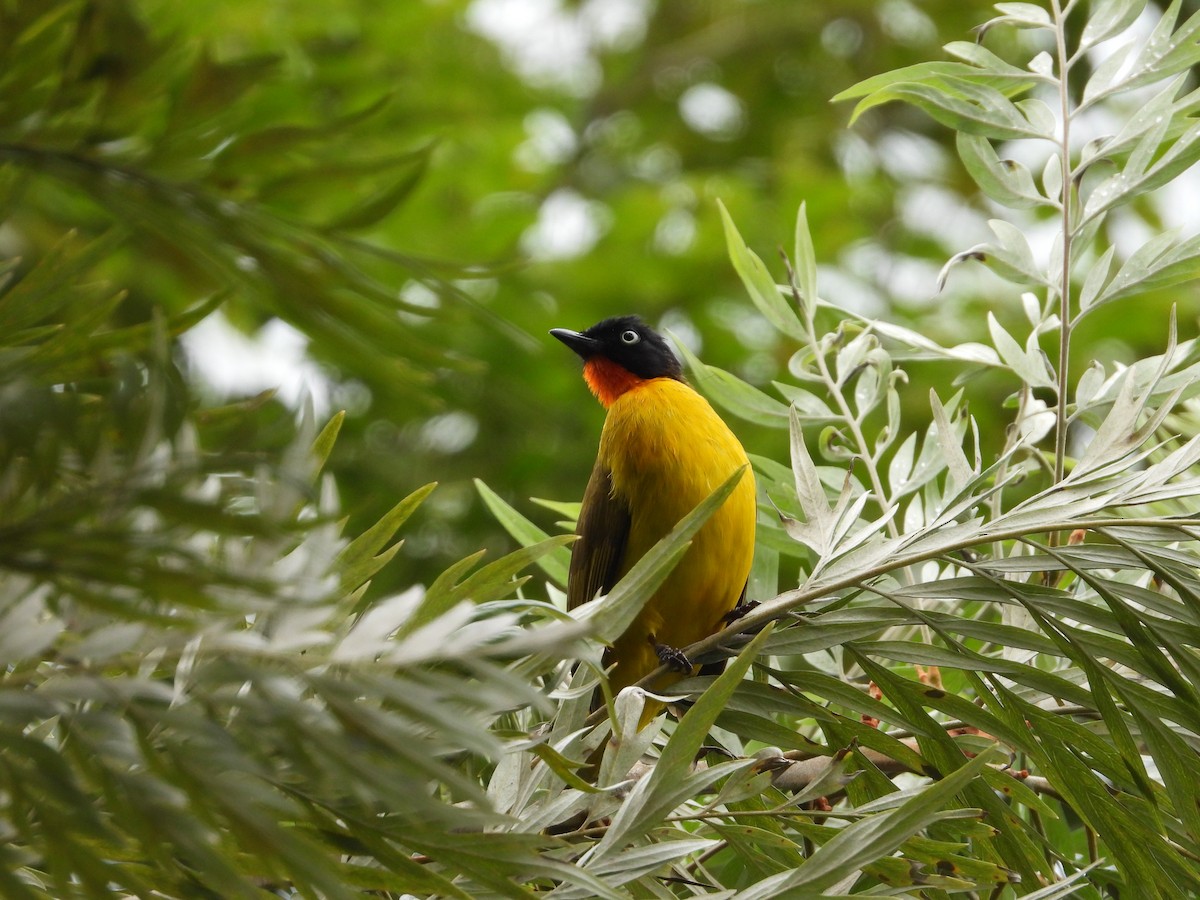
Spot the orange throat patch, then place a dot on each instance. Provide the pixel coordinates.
(608, 380)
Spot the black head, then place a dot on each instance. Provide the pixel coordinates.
(627, 341)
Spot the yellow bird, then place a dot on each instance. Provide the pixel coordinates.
(663, 450)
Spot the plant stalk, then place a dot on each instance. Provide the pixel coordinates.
(1064, 289)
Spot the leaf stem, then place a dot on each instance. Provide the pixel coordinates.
(835, 391)
(1064, 288)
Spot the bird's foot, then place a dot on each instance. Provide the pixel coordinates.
(738, 611)
(673, 658)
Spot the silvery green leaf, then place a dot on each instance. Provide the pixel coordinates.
(1114, 436)
(1027, 369)
(1052, 176)
(1032, 307)
(1054, 265)
(847, 538)
(1040, 116)
(672, 781)
(27, 629)
(809, 406)
(869, 838)
(967, 352)
(1011, 258)
(852, 355)
(367, 637)
(621, 755)
(1004, 180)
(1036, 423)
(901, 464)
(989, 71)
(1027, 14)
(873, 380)
(1103, 79)
(930, 460)
(1146, 149)
(1042, 64)
(1163, 106)
(1107, 18)
(1166, 52)
(1159, 263)
(969, 106)
(809, 491)
(914, 515)
(806, 262)
(1181, 155)
(866, 390)
(887, 435)
(949, 444)
(109, 641)
(1097, 277)
(1089, 385)
(636, 862)
(977, 253)
(983, 59)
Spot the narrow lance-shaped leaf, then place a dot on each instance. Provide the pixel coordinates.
(357, 562)
(952, 452)
(525, 533)
(733, 394)
(806, 263)
(759, 283)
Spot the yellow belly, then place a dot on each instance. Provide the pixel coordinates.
(668, 450)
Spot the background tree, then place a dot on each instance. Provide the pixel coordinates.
(210, 691)
(379, 160)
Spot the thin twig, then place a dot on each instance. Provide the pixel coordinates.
(1064, 292)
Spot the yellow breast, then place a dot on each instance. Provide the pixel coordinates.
(668, 450)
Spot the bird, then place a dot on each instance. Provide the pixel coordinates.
(663, 450)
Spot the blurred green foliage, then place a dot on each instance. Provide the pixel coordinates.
(423, 188)
(200, 695)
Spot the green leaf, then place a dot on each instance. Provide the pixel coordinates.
(993, 73)
(1161, 262)
(1027, 15)
(360, 559)
(1108, 18)
(759, 283)
(1005, 181)
(323, 444)
(950, 444)
(1029, 367)
(1096, 279)
(526, 534)
(805, 260)
(492, 582)
(733, 394)
(964, 105)
(1167, 50)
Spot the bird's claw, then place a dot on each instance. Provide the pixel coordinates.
(738, 611)
(673, 658)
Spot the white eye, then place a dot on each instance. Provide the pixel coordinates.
(630, 337)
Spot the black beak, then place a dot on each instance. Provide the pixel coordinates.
(585, 346)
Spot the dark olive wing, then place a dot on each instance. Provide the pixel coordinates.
(603, 534)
